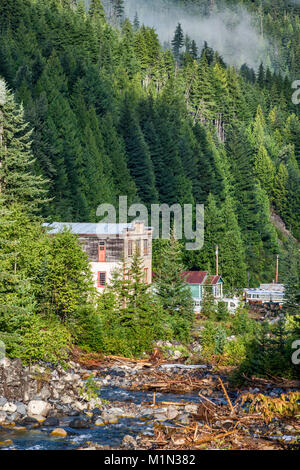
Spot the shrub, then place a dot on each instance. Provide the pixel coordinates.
(235, 352)
(86, 329)
(222, 313)
(42, 339)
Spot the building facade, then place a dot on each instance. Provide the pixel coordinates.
(111, 246)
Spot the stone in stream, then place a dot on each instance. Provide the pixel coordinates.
(29, 420)
(172, 412)
(51, 421)
(59, 432)
(99, 422)
(184, 419)
(6, 443)
(80, 423)
(191, 409)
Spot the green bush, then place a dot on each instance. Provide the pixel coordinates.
(235, 352)
(213, 338)
(86, 329)
(222, 313)
(42, 339)
(243, 325)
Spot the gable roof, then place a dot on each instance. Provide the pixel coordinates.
(212, 280)
(194, 277)
(201, 277)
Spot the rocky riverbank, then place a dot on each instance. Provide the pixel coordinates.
(44, 407)
(32, 394)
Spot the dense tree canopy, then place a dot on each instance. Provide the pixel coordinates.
(113, 113)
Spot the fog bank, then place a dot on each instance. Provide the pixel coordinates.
(232, 34)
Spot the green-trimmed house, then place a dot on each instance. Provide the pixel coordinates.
(200, 280)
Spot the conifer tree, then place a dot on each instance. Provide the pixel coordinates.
(139, 161)
(177, 41)
(66, 282)
(136, 22)
(18, 183)
(172, 290)
(96, 9)
(232, 255)
(132, 317)
(208, 306)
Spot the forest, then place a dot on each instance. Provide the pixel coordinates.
(93, 106)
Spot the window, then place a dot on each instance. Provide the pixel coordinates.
(138, 247)
(146, 275)
(130, 247)
(146, 247)
(102, 279)
(102, 252)
(195, 290)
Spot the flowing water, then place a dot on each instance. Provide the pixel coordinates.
(110, 434)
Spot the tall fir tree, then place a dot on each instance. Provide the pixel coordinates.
(18, 181)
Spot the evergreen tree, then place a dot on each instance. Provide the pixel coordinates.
(136, 23)
(138, 156)
(132, 318)
(66, 281)
(118, 9)
(96, 9)
(172, 290)
(208, 306)
(177, 41)
(232, 255)
(18, 183)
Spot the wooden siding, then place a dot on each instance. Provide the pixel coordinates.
(114, 247)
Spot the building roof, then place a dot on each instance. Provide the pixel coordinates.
(90, 228)
(212, 280)
(200, 277)
(266, 289)
(194, 277)
(273, 287)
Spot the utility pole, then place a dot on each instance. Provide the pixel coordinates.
(277, 268)
(217, 260)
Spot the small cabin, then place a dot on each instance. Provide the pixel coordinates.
(201, 280)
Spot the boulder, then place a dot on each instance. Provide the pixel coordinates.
(9, 407)
(59, 432)
(51, 421)
(38, 407)
(176, 354)
(21, 409)
(5, 363)
(79, 405)
(80, 423)
(99, 422)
